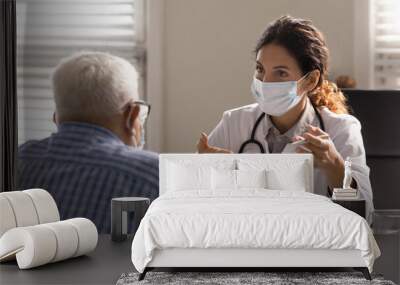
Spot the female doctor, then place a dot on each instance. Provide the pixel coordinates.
(296, 102)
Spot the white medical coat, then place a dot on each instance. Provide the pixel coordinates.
(344, 130)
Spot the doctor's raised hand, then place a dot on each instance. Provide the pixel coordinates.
(326, 156)
(291, 92)
(204, 147)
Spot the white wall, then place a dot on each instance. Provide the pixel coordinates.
(208, 60)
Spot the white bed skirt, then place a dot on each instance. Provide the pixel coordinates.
(236, 257)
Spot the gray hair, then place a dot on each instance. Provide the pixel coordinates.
(93, 85)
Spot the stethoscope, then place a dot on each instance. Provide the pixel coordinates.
(252, 139)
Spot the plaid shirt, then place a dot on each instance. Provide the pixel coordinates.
(83, 166)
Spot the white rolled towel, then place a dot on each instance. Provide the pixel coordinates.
(26, 208)
(45, 206)
(40, 244)
(87, 235)
(7, 218)
(23, 208)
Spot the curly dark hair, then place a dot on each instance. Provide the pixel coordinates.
(307, 45)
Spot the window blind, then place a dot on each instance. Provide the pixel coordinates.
(48, 30)
(386, 43)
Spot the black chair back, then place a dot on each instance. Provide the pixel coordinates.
(379, 114)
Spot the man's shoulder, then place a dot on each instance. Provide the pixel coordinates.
(124, 152)
(119, 157)
(33, 147)
(141, 164)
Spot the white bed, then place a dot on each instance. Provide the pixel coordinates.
(214, 224)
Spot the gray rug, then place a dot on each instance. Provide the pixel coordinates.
(225, 278)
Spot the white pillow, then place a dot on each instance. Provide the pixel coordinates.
(282, 173)
(223, 179)
(292, 180)
(228, 179)
(251, 178)
(188, 177)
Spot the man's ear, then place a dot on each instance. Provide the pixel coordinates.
(130, 116)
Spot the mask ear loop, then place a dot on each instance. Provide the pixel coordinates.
(300, 82)
(302, 79)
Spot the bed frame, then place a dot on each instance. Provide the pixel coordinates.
(234, 259)
(250, 259)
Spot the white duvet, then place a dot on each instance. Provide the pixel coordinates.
(250, 218)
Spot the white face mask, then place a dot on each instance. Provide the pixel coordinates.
(276, 98)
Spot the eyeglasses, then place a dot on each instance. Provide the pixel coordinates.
(144, 109)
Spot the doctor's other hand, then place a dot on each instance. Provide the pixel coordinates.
(204, 147)
(326, 156)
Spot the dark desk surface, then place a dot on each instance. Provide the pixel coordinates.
(102, 266)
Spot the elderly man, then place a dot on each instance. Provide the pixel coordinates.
(96, 153)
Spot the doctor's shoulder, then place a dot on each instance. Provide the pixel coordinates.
(247, 113)
(338, 124)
